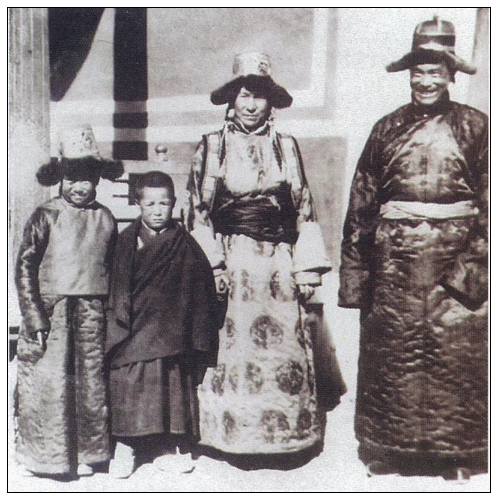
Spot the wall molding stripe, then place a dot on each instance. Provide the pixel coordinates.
(130, 83)
(312, 97)
(193, 133)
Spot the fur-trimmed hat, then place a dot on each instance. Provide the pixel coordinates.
(79, 159)
(252, 70)
(433, 41)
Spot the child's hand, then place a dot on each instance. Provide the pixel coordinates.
(41, 337)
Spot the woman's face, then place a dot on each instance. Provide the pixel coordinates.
(250, 109)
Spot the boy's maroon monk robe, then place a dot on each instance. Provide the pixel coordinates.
(162, 331)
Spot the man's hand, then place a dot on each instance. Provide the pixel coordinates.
(306, 292)
(41, 337)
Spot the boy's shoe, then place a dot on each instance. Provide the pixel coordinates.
(85, 470)
(175, 463)
(123, 464)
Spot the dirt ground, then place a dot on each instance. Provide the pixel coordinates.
(336, 469)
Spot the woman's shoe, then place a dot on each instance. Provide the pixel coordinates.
(23, 472)
(123, 464)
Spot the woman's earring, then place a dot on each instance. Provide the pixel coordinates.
(230, 114)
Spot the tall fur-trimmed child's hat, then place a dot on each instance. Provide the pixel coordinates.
(78, 159)
(252, 70)
(433, 41)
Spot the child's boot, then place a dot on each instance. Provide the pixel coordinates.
(123, 464)
(85, 470)
(175, 463)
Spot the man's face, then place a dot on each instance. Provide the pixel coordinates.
(250, 109)
(156, 205)
(429, 82)
(79, 193)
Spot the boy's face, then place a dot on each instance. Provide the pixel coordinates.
(156, 205)
(79, 193)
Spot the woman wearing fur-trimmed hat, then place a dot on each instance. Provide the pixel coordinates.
(62, 278)
(414, 261)
(251, 210)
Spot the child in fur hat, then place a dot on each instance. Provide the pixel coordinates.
(62, 278)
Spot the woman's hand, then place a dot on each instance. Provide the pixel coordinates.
(222, 284)
(306, 292)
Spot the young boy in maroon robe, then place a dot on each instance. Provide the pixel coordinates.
(162, 329)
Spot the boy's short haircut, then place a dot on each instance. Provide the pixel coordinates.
(155, 179)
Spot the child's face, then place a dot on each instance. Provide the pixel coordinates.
(156, 205)
(79, 193)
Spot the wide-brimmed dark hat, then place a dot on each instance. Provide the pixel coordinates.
(253, 71)
(78, 159)
(433, 41)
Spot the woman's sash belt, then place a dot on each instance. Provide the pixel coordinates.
(262, 219)
(418, 210)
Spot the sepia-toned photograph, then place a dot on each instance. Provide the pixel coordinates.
(248, 249)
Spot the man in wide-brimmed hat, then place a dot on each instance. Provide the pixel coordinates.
(62, 278)
(414, 261)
